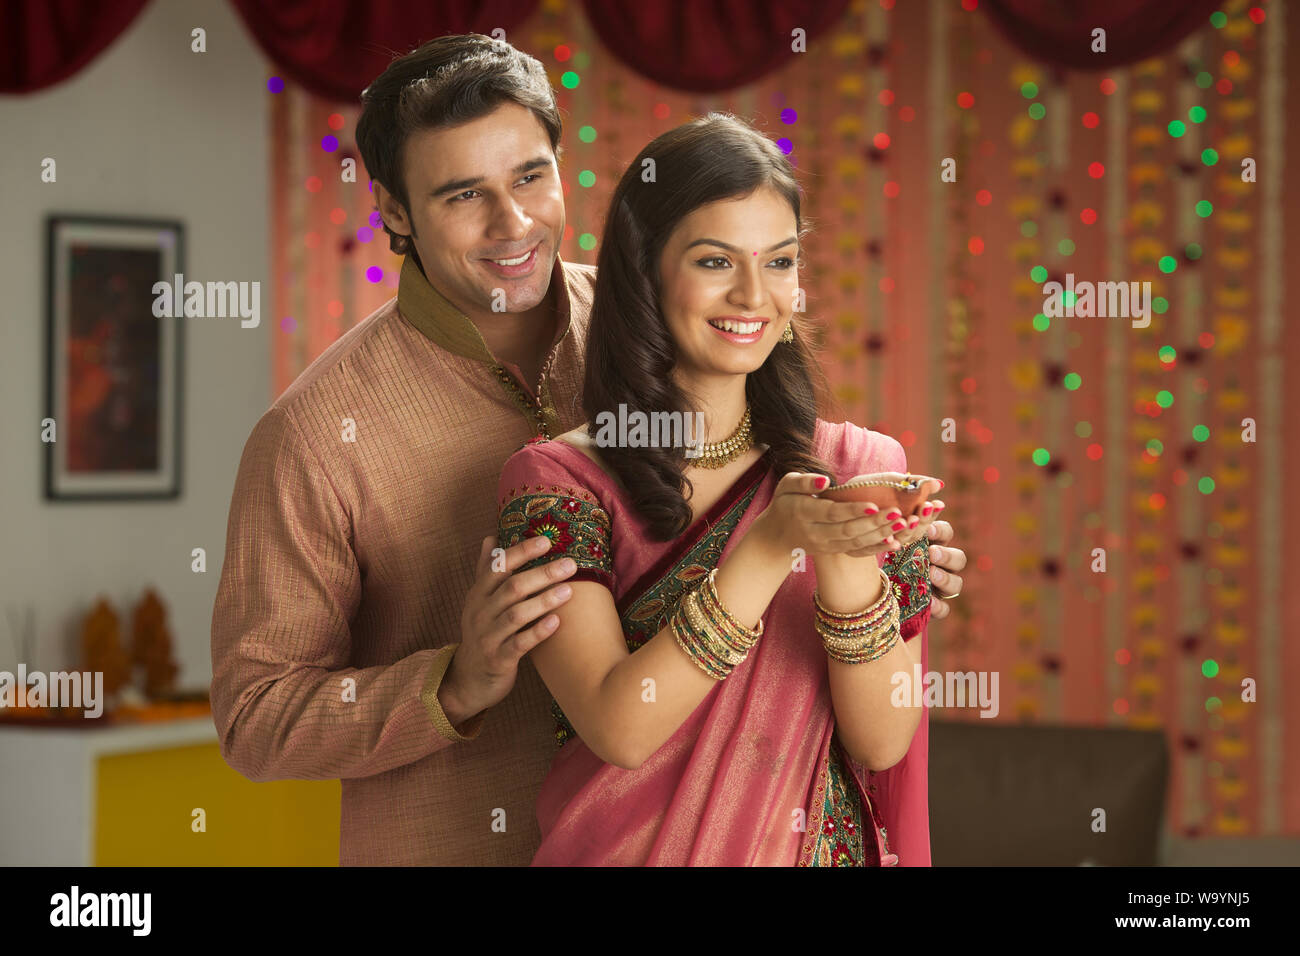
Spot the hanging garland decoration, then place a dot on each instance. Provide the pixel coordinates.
(1234, 238)
(852, 174)
(1027, 143)
(964, 319)
(1148, 179)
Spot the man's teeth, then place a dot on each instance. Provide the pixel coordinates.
(740, 328)
(514, 262)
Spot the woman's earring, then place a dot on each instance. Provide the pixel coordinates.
(788, 334)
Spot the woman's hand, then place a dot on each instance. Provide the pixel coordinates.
(903, 531)
(796, 519)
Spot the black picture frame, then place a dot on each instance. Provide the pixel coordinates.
(106, 370)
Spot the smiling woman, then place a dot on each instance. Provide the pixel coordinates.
(772, 739)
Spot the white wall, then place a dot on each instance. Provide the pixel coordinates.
(148, 129)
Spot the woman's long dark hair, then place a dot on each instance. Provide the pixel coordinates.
(630, 352)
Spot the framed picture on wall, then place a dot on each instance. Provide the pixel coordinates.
(113, 369)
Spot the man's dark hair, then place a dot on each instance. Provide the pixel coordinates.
(445, 82)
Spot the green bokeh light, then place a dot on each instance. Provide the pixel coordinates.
(1168, 353)
(1065, 247)
(1206, 485)
(1038, 273)
(1192, 250)
(1160, 305)
(587, 134)
(1042, 323)
(1201, 433)
(1197, 114)
(1164, 398)
(1204, 80)
(586, 178)
(1177, 128)
(1217, 19)
(1069, 298)
(569, 80)
(1204, 208)
(1213, 704)
(1037, 111)
(1029, 229)
(1041, 456)
(1029, 90)
(1210, 667)
(1209, 156)
(1083, 429)
(1167, 264)
(587, 241)
(1155, 447)
(1072, 381)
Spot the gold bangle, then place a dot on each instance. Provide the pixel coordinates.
(886, 589)
(716, 643)
(689, 641)
(866, 656)
(715, 602)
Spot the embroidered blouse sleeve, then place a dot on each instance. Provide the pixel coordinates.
(540, 496)
(909, 567)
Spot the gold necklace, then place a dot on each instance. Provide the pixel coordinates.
(722, 453)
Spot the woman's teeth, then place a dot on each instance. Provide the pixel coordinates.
(739, 328)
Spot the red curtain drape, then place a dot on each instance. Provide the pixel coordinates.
(705, 47)
(43, 42)
(335, 48)
(1059, 32)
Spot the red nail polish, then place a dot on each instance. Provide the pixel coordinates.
(925, 512)
(897, 526)
(871, 510)
(822, 482)
(941, 484)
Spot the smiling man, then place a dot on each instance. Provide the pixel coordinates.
(355, 636)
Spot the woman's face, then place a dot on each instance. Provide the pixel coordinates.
(729, 277)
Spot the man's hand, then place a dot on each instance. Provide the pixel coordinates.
(944, 565)
(498, 605)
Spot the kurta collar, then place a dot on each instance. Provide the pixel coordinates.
(448, 327)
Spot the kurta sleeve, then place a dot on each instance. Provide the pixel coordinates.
(285, 699)
(541, 496)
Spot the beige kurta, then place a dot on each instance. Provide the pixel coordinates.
(362, 498)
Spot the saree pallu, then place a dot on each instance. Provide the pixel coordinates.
(755, 776)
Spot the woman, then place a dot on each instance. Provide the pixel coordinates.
(711, 708)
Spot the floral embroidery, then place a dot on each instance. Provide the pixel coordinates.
(840, 844)
(909, 570)
(576, 524)
(557, 531)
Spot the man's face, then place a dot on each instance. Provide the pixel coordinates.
(481, 192)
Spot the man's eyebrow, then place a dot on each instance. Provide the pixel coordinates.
(460, 185)
(731, 248)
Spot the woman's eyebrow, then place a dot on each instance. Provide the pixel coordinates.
(731, 248)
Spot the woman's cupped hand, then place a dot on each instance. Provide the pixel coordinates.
(797, 519)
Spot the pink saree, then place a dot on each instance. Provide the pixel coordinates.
(755, 776)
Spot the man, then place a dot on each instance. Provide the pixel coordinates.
(354, 635)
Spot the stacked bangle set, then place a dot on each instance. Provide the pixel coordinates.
(709, 634)
(862, 636)
(716, 641)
